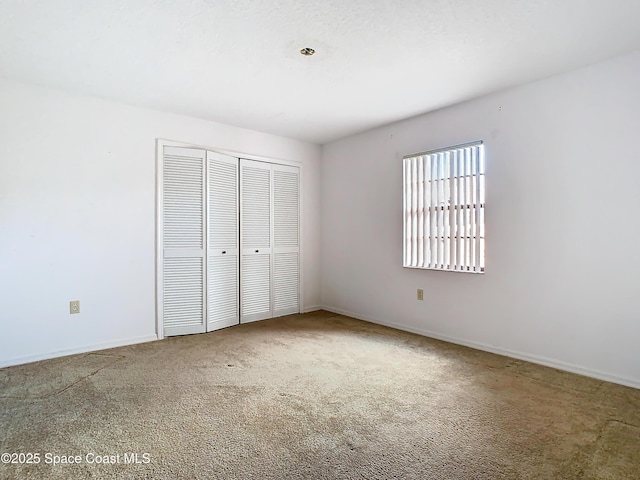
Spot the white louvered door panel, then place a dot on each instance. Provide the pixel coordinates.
(183, 286)
(286, 283)
(255, 240)
(223, 266)
(286, 234)
(256, 291)
(222, 292)
(183, 296)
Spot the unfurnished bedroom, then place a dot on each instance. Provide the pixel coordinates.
(319, 240)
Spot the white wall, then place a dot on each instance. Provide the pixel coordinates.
(77, 216)
(562, 285)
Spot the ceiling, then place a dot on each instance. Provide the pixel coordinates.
(238, 62)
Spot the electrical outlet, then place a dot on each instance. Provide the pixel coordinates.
(420, 294)
(74, 306)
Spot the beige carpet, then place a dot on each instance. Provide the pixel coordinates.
(316, 396)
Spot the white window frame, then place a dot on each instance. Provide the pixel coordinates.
(444, 208)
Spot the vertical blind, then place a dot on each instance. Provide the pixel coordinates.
(443, 203)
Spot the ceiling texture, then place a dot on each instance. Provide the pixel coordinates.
(238, 62)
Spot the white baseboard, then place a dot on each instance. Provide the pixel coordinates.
(73, 351)
(313, 308)
(629, 382)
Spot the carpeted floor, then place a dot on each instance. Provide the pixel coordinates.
(318, 396)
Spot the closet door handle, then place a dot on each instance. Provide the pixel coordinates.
(257, 251)
(224, 251)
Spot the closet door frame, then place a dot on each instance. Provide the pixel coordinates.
(159, 244)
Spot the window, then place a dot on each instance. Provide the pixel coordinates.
(443, 202)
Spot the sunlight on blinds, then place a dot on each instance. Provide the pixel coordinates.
(443, 203)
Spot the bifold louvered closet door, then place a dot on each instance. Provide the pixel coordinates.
(183, 226)
(269, 231)
(223, 249)
(286, 240)
(256, 235)
(230, 240)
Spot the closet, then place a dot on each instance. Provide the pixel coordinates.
(229, 240)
